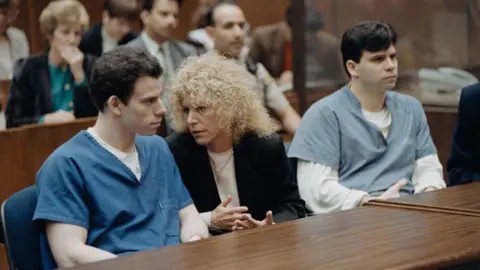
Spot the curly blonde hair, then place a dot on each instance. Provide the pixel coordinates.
(216, 82)
(63, 12)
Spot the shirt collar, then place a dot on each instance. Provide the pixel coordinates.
(355, 103)
(107, 38)
(152, 46)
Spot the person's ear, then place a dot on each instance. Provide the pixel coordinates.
(115, 105)
(352, 68)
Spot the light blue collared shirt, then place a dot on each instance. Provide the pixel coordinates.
(335, 133)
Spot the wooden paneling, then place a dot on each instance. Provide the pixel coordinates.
(262, 12)
(3, 259)
(4, 87)
(258, 13)
(436, 32)
(25, 149)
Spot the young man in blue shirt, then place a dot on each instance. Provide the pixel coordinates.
(114, 188)
(364, 141)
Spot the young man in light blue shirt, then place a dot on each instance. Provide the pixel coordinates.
(364, 141)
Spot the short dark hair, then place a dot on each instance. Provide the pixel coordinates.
(116, 72)
(5, 3)
(121, 9)
(371, 36)
(148, 4)
(209, 19)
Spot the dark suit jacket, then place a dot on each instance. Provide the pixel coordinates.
(464, 162)
(91, 42)
(263, 175)
(30, 95)
(268, 43)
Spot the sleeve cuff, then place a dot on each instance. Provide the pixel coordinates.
(207, 217)
(41, 119)
(430, 187)
(353, 199)
(82, 83)
(186, 203)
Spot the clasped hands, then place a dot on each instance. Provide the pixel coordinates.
(236, 218)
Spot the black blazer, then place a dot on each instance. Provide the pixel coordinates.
(262, 171)
(464, 162)
(91, 42)
(30, 95)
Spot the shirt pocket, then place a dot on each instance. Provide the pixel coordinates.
(171, 217)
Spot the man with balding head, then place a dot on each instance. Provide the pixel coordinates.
(228, 28)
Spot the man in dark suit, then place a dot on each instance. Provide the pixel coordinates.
(464, 161)
(160, 18)
(114, 29)
(231, 160)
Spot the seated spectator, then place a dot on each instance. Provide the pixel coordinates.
(228, 27)
(52, 86)
(199, 37)
(115, 189)
(114, 29)
(13, 42)
(160, 19)
(365, 142)
(230, 158)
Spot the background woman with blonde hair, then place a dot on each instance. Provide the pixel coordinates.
(53, 86)
(230, 158)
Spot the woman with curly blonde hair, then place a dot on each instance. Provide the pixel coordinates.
(230, 158)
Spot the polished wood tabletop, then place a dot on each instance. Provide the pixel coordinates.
(465, 196)
(362, 238)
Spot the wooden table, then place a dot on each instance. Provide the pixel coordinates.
(363, 238)
(465, 196)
